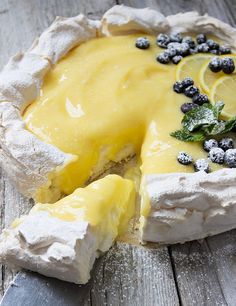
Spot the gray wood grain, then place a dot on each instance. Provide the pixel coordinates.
(205, 274)
(127, 275)
(21, 21)
(206, 271)
(134, 275)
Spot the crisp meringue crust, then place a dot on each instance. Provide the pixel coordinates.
(188, 206)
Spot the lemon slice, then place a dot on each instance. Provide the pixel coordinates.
(224, 90)
(190, 67)
(207, 78)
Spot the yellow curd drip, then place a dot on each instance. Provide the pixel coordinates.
(108, 203)
(107, 94)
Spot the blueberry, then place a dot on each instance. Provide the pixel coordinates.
(188, 106)
(189, 41)
(215, 64)
(176, 59)
(178, 87)
(184, 158)
(209, 144)
(228, 66)
(200, 99)
(226, 143)
(142, 43)
(163, 58)
(216, 155)
(230, 158)
(183, 49)
(212, 44)
(215, 52)
(187, 82)
(225, 50)
(193, 51)
(203, 48)
(174, 45)
(191, 91)
(163, 40)
(176, 38)
(201, 38)
(171, 52)
(202, 165)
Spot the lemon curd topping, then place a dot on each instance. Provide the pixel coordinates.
(108, 203)
(107, 95)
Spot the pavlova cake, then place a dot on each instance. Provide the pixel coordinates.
(89, 96)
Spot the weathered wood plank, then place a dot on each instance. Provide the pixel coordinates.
(20, 23)
(196, 274)
(206, 271)
(143, 275)
(134, 275)
(223, 250)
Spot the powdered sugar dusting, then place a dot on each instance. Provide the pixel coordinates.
(129, 274)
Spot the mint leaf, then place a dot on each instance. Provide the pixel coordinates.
(204, 119)
(217, 108)
(199, 116)
(229, 124)
(185, 135)
(214, 129)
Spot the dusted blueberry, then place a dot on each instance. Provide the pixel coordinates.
(193, 51)
(209, 144)
(184, 49)
(215, 52)
(163, 58)
(188, 40)
(142, 43)
(181, 48)
(176, 59)
(163, 40)
(178, 87)
(226, 143)
(201, 165)
(176, 38)
(203, 48)
(188, 106)
(184, 158)
(230, 158)
(200, 99)
(225, 50)
(215, 64)
(212, 44)
(171, 52)
(216, 155)
(201, 38)
(187, 82)
(228, 66)
(191, 91)
(174, 45)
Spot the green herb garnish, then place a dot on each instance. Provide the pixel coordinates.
(203, 121)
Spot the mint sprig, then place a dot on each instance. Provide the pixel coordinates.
(203, 121)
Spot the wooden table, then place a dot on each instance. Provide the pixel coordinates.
(196, 273)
